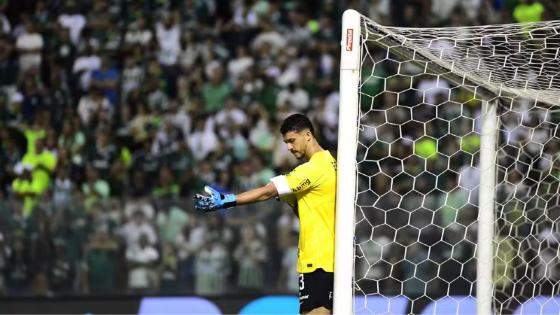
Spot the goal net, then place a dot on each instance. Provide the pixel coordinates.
(456, 169)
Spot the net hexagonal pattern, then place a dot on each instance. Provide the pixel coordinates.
(421, 94)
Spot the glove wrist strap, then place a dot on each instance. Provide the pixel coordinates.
(230, 204)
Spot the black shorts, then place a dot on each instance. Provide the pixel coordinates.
(315, 290)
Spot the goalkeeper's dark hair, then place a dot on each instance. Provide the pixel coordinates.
(297, 123)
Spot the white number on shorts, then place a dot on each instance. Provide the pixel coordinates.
(301, 284)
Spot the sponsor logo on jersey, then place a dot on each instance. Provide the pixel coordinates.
(303, 184)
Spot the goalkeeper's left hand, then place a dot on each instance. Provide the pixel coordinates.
(214, 201)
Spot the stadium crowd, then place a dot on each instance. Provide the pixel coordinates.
(113, 113)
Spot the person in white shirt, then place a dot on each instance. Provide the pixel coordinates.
(133, 230)
(203, 140)
(269, 36)
(91, 105)
(29, 45)
(72, 20)
(295, 97)
(141, 259)
(84, 66)
(138, 33)
(240, 64)
(168, 35)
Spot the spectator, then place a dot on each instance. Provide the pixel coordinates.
(10, 155)
(203, 139)
(165, 141)
(216, 91)
(61, 270)
(187, 244)
(250, 256)
(181, 163)
(132, 77)
(239, 145)
(73, 21)
(263, 135)
(73, 140)
(138, 185)
(168, 35)
(94, 188)
(87, 60)
(29, 45)
(63, 50)
(101, 263)
(63, 187)
(171, 221)
(138, 33)
(93, 106)
(168, 270)
(59, 101)
(141, 260)
(271, 37)
(18, 270)
(180, 118)
(167, 188)
(25, 189)
(34, 94)
(99, 219)
(136, 227)
(103, 154)
(140, 124)
(231, 114)
(191, 51)
(69, 225)
(528, 11)
(212, 267)
(242, 63)
(294, 97)
(9, 66)
(99, 22)
(106, 79)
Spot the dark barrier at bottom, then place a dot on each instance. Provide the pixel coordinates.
(271, 304)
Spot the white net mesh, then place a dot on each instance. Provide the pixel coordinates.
(421, 94)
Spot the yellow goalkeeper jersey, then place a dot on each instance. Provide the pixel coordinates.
(314, 186)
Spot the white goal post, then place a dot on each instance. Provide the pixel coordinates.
(346, 162)
(492, 63)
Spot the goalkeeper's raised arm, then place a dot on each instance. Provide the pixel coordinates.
(216, 200)
(310, 188)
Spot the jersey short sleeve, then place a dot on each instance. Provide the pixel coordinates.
(301, 179)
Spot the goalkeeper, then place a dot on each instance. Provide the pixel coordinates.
(310, 189)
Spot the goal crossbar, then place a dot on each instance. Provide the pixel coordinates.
(484, 89)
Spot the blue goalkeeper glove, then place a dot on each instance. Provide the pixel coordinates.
(214, 201)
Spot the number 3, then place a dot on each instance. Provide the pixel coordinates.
(301, 284)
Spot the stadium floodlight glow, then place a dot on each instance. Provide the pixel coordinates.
(448, 164)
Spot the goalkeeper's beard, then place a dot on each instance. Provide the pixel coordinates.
(298, 155)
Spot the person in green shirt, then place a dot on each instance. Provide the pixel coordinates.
(528, 11)
(215, 92)
(43, 163)
(166, 188)
(101, 262)
(94, 188)
(25, 188)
